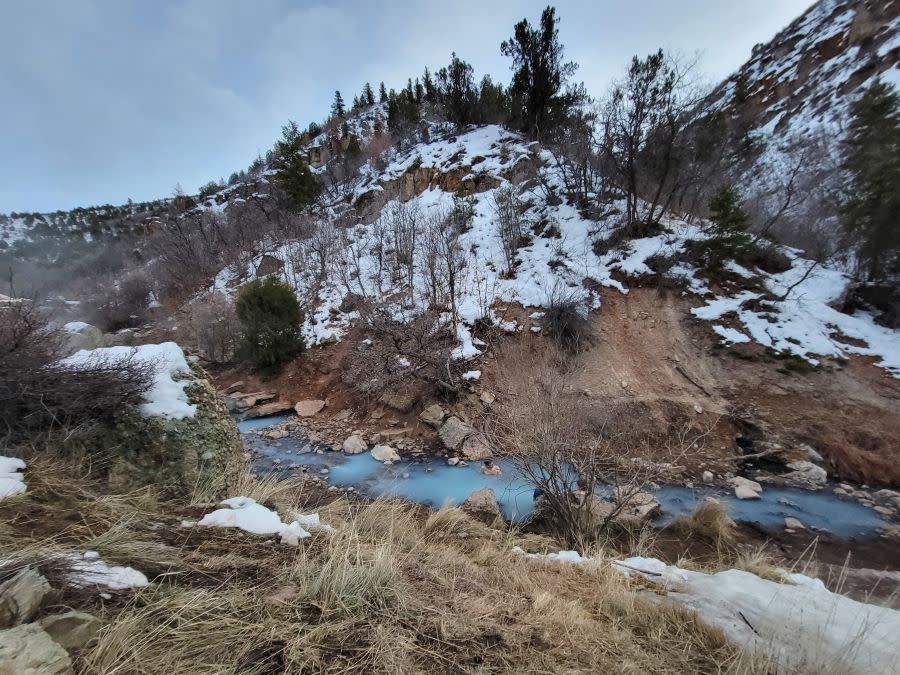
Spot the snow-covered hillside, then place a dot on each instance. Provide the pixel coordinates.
(565, 253)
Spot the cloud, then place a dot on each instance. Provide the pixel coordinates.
(107, 99)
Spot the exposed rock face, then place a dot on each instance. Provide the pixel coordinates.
(483, 503)
(453, 432)
(354, 445)
(433, 415)
(72, 630)
(309, 408)
(385, 453)
(814, 69)
(200, 454)
(21, 597)
(29, 650)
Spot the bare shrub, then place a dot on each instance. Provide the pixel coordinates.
(566, 320)
(38, 395)
(445, 259)
(122, 303)
(214, 327)
(397, 354)
(552, 436)
(508, 213)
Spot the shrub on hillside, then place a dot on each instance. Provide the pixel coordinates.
(38, 396)
(727, 236)
(122, 303)
(271, 318)
(566, 321)
(214, 328)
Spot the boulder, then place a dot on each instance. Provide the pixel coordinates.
(793, 524)
(744, 488)
(452, 461)
(354, 445)
(483, 503)
(198, 455)
(266, 409)
(82, 336)
(640, 505)
(385, 453)
(250, 400)
(29, 650)
(453, 432)
(708, 476)
(401, 400)
(21, 597)
(807, 472)
(73, 630)
(487, 397)
(476, 448)
(235, 386)
(433, 415)
(309, 408)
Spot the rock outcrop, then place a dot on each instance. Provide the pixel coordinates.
(201, 454)
(483, 504)
(29, 650)
(21, 597)
(453, 432)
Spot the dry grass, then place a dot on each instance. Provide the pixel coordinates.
(394, 588)
(711, 524)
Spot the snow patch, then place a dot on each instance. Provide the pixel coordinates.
(11, 481)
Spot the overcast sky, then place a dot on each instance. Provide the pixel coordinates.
(102, 100)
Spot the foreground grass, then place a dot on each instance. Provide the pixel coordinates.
(393, 588)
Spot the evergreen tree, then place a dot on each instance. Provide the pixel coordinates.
(271, 318)
(337, 107)
(871, 214)
(420, 92)
(382, 94)
(543, 96)
(293, 175)
(368, 96)
(727, 236)
(492, 103)
(356, 103)
(456, 92)
(428, 83)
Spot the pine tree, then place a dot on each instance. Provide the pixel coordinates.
(356, 103)
(456, 92)
(871, 214)
(727, 236)
(368, 96)
(382, 94)
(337, 107)
(271, 318)
(293, 175)
(540, 85)
(430, 93)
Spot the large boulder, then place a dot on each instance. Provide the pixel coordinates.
(476, 448)
(433, 415)
(385, 453)
(266, 409)
(80, 335)
(309, 408)
(21, 597)
(354, 445)
(807, 472)
(453, 432)
(483, 503)
(29, 650)
(181, 440)
(72, 630)
(744, 488)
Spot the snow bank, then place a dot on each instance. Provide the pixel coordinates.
(89, 570)
(562, 556)
(11, 481)
(75, 326)
(801, 624)
(245, 514)
(166, 396)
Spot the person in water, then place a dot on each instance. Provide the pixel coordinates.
(490, 469)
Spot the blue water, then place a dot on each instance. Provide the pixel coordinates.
(434, 483)
(258, 423)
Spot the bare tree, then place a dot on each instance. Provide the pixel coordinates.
(214, 327)
(445, 259)
(509, 219)
(404, 224)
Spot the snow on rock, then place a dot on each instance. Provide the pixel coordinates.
(166, 397)
(561, 556)
(75, 326)
(800, 624)
(471, 375)
(11, 481)
(245, 514)
(89, 570)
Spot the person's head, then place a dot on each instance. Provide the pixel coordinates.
(488, 464)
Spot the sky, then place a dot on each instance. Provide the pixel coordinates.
(106, 100)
